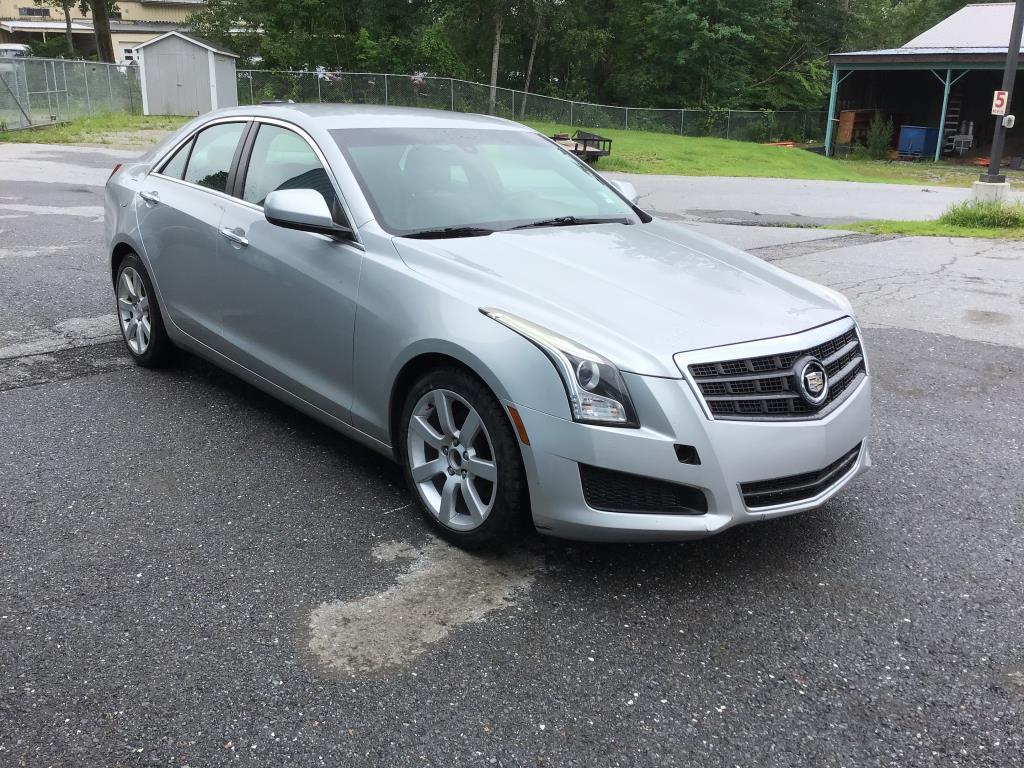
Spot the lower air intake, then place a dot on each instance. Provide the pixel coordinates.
(796, 488)
(612, 491)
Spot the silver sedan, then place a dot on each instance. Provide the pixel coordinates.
(459, 293)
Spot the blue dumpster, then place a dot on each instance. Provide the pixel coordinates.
(917, 141)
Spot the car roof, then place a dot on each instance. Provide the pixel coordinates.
(333, 116)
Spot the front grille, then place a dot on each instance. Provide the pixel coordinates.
(794, 488)
(765, 387)
(612, 491)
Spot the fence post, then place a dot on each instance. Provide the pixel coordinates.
(627, 118)
(252, 95)
(319, 98)
(571, 123)
(513, 105)
(682, 118)
(110, 88)
(64, 78)
(85, 77)
(49, 93)
(728, 122)
(451, 86)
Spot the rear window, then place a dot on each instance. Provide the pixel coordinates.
(212, 153)
(175, 167)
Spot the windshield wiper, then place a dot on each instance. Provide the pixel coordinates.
(437, 234)
(570, 221)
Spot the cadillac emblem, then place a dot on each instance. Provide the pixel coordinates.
(811, 380)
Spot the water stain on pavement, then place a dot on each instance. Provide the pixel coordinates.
(443, 588)
(986, 317)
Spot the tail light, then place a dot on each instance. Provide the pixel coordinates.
(116, 169)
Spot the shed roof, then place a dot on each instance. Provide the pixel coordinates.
(985, 25)
(202, 42)
(976, 34)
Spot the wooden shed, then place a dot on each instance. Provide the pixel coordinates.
(183, 74)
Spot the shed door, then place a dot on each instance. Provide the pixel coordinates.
(175, 84)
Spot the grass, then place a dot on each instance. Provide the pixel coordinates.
(113, 128)
(640, 152)
(968, 219)
(632, 152)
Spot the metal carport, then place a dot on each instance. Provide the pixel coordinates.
(967, 49)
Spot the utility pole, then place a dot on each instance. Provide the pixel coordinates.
(1009, 75)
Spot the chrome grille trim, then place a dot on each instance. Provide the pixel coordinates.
(753, 381)
(796, 489)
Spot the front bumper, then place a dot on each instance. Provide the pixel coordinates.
(731, 453)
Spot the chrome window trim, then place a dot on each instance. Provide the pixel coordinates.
(160, 161)
(245, 119)
(772, 346)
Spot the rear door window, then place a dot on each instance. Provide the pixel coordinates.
(210, 161)
(175, 167)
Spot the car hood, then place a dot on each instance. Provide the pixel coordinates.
(636, 294)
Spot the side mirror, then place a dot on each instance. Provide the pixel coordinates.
(625, 189)
(302, 209)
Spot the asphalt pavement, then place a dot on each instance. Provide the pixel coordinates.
(792, 202)
(194, 574)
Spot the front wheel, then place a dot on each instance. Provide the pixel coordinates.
(462, 460)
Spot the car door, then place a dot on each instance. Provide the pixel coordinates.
(288, 298)
(180, 207)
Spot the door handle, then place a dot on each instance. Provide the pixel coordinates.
(152, 198)
(233, 236)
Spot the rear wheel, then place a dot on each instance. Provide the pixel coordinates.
(462, 460)
(138, 314)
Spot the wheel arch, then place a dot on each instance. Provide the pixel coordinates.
(415, 367)
(119, 250)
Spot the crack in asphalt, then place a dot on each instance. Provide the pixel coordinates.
(785, 251)
(62, 365)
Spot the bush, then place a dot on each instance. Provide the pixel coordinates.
(975, 215)
(879, 137)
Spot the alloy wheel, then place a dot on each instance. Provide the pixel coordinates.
(451, 459)
(133, 310)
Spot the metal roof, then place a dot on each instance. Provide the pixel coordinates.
(84, 26)
(195, 39)
(985, 25)
(976, 34)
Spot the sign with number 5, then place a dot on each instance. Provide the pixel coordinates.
(999, 102)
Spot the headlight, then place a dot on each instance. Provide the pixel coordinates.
(597, 394)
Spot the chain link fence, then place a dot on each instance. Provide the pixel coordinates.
(256, 85)
(35, 92)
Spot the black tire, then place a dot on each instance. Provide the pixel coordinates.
(509, 517)
(159, 351)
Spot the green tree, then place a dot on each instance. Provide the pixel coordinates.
(101, 26)
(65, 7)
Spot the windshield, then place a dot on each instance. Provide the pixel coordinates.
(474, 181)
